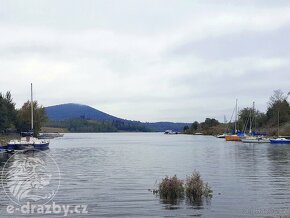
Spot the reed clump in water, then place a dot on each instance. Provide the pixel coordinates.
(195, 188)
(171, 188)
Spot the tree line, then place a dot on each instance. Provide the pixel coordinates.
(278, 110)
(87, 125)
(19, 120)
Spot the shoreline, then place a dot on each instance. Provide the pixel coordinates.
(5, 138)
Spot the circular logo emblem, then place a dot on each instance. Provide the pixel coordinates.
(30, 176)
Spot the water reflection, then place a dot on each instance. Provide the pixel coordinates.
(279, 157)
(172, 204)
(279, 153)
(4, 156)
(279, 171)
(197, 204)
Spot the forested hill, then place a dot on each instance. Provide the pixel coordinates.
(71, 110)
(66, 115)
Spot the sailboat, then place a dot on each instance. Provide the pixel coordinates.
(253, 138)
(279, 140)
(222, 136)
(27, 140)
(235, 136)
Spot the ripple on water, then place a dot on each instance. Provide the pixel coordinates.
(113, 172)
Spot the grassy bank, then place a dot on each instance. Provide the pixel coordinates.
(4, 139)
(53, 129)
(220, 129)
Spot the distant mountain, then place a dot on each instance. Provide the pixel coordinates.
(69, 111)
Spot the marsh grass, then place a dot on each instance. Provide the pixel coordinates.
(4, 139)
(194, 189)
(171, 188)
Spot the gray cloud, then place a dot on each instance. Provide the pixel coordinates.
(146, 60)
(239, 45)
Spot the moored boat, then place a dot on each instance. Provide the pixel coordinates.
(233, 138)
(280, 141)
(170, 132)
(27, 140)
(222, 136)
(3, 147)
(255, 139)
(236, 136)
(252, 137)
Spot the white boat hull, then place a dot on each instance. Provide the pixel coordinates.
(28, 143)
(255, 140)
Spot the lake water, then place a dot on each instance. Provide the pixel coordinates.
(112, 172)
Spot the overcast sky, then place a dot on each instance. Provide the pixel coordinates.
(148, 60)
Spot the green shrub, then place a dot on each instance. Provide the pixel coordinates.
(195, 188)
(171, 188)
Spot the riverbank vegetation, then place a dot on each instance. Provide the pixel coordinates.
(14, 120)
(267, 123)
(88, 125)
(5, 138)
(53, 130)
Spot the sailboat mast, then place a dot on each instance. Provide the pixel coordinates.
(250, 130)
(254, 116)
(31, 108)
(278, 123)
(236, 116)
